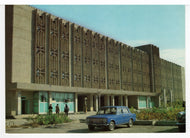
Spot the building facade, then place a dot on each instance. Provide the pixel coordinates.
(52, 61)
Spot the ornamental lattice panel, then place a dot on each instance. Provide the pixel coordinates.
(64, 53)
(53, 51)
(40, 48)
(95, 61)
(111, 71)
(102, 47)
(77, 57)
(87, 58)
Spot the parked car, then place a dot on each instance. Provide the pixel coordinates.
(181, 121)
(110, 116)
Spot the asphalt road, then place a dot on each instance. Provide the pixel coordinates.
(76, 127)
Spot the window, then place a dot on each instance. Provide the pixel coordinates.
(43, 97)
(51, 53)
(63, 55)
(75, 77)
(63, 75)
(38, 28)
(38, 72)
(51, 74)
(51, 32)
(53, 96)
(125, 111)
(63, 35)
(85, 78)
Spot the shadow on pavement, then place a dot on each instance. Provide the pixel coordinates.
(79, 131)
(173, 130)
(96, 130)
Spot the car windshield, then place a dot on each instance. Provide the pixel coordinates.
(107, 110)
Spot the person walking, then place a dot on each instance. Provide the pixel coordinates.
(57, 109)
(66, 109)
(50, 109)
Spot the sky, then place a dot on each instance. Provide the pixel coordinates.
(160, 25)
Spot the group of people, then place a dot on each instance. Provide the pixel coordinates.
(66, 109)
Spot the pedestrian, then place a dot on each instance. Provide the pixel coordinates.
(57, 109)
(50, 109)
(66, 109)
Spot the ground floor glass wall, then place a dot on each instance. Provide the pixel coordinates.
(42, 100)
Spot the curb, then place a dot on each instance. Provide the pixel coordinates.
(147, 122)
(155, 123)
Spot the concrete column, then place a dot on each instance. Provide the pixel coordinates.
(171, 96)
(125, 102)
(82, 67)
(120, 67)
(76, 102)
(137, 101)
(96, 102)
(152, 70)
(18, 94)
(165, 98)
(71, 26)
(59, 51)
(159, 100)
(147, 102)
(91, 102)
(107, 100)
(47, 49)
(121, 100)
(106, 63)
(131, 53)
(50, 97)
(142, 84)
(112, 100)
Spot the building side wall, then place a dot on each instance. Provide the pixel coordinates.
(171, 80)
(177, 82)
(21, 44)
(183, 82)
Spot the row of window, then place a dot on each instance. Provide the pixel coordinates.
(112, 81)
(87, 60)
(57, 97)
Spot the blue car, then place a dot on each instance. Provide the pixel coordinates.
(110, 116)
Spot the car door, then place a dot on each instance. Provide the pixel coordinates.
(119, 116)
(126, 115)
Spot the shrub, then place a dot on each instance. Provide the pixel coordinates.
(158, 113)
(49, 119)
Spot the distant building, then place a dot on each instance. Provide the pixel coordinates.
(52, 61)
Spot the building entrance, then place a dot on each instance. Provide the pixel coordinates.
(116, 99)
(81, 102)
(24, 105)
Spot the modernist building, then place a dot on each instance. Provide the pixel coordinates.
(52, 61)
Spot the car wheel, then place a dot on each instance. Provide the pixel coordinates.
(130, 124)
(91, 127)
(111, 126)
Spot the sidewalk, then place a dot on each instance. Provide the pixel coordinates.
(22, 119)
(81, 116)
